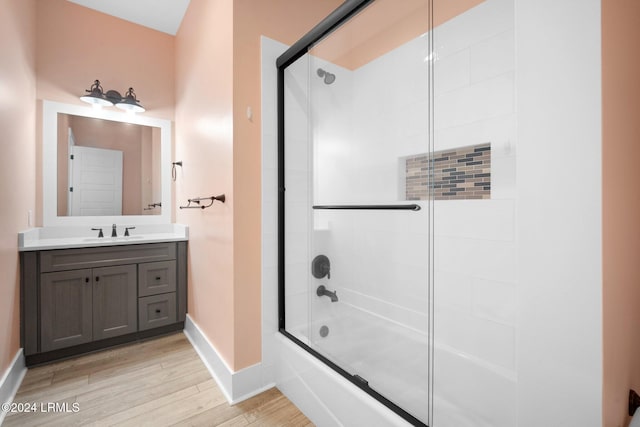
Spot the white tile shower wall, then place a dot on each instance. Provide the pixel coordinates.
(559, 232)
(477, 105)
(475, 242)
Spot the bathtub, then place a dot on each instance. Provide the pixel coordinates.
(394, 360)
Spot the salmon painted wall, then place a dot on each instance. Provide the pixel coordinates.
(17, 175)
(204, 143)
(621, 205)
(285, 21)
(77, 45)
(383, 26)
(217, 78)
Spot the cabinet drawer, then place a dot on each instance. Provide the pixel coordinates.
(72, 259)
(156, 278)
(156, 310)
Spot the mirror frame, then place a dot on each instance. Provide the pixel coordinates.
(50, 111)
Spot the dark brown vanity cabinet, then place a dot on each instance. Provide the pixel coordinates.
(78, 300)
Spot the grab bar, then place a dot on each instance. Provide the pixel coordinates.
(412, 207)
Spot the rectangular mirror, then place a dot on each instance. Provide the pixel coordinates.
(95, 158)
(101, 166)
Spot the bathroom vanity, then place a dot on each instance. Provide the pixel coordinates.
(84, 294)
(82, 290)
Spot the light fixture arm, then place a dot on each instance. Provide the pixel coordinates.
(95, 96)
(130, 103)
(95, 88)
(131, 95)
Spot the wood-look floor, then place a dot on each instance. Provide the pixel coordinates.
(160, 382)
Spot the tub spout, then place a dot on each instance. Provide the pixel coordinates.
(322, 291)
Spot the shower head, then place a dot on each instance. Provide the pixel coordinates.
(328, 77)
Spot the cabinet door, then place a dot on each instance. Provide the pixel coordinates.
(114, 301)
(66, 305)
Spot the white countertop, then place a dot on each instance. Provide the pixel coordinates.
(45, 238)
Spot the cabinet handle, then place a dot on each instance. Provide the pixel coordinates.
(97, 278)
(158, 277)
(158, 310)
(86, 280)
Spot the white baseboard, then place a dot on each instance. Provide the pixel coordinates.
(236, 386)
(11, 381)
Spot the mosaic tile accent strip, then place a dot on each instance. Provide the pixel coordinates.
(459, 174)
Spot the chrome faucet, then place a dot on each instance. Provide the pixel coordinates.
(114, 232)
(322, 291)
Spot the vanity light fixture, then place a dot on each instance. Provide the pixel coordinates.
(99, 98)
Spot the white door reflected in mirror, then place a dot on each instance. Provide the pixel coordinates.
(96, 181)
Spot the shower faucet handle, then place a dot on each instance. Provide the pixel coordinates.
(320, 267)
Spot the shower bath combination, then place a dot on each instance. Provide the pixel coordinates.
(402, 327)
(328, 77)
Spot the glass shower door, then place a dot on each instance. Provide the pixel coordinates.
(367, 213)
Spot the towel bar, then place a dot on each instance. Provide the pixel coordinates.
(197, 201)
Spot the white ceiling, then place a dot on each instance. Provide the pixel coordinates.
(161, 15)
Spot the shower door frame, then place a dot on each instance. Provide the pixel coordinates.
(334, 20)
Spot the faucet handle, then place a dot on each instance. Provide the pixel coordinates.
(100, 234)
(126, 231)
(114, 231)
(321, 267)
